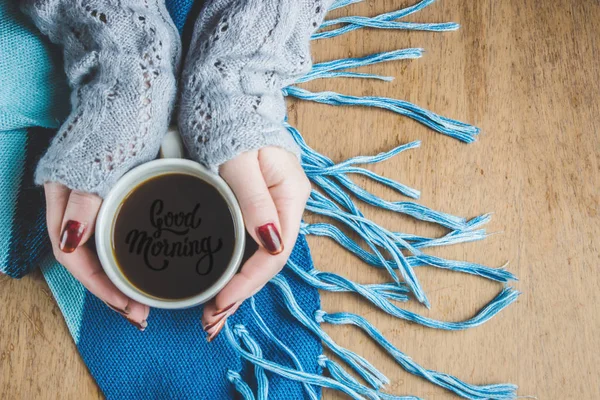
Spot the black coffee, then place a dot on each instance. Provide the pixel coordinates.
(173, 236)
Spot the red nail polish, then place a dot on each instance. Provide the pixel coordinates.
(215, 333)
(124, 311)
(210, 326)
(71, 236)
(270, 238)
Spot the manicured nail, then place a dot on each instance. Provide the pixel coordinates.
(270, 238)
(224, 310)
(209, 327)
(141, 326)
(71, 236)
(122, 311)
(219, 326)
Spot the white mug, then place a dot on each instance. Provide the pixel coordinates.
(171, 162)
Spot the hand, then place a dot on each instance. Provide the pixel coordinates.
(71, 216)
(272, 190)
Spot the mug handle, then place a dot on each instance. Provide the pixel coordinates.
(172, 145)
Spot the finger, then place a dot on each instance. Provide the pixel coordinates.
(78, 220)
(289, 188)
(255, 273)
(57, 196)
(211, 315)
(258, 209)
(84, 265)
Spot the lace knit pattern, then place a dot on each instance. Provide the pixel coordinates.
(120, 62)
(242, 54)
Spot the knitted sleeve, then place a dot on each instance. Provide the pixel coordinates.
(242, 54)
(120, 61)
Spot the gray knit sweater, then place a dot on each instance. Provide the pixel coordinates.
(122, 60)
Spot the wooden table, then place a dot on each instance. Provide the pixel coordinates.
(525, 72)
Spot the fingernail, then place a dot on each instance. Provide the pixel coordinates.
(209, 327)
(123, 311)
(141, 326)
(270, 238)
(213, 335)
(71, 236)
(223, 310)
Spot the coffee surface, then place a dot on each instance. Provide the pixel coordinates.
(173, 236)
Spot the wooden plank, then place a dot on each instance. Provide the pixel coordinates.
(527, 73)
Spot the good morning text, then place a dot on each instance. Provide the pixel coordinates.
(158, 251)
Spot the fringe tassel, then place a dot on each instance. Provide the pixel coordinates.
(289, 373)
(241, 386)
(317, 166)
(366, 22)
(375, 293)
(322, 169)
(383, 21)
(327, 280)
(450, 127)
(331, 69)
(363, 367)
(314, 167)
(254, 348)
(465, 390)
(414, 210)
(342, 380)
(331, 231)
(375, 236)
(337, 372)
(269, 334)
(494, 274)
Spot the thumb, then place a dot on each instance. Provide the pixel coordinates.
(258, 208)
(79, 220)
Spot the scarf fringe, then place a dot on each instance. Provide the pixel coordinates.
(252, 346)
(286, 372)
(404, 251)
(330, 282)
(446, 126)
(338, 372)
(341, 380)
(331, 69)
(382, 21)
(503, 391)
(269, 334)
(382, 295)
(494, 274)
(240, 386)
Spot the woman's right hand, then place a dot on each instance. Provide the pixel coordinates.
(71, 217)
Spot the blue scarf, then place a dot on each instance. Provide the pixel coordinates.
(273, 347)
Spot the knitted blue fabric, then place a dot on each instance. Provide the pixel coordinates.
(273, 346)
(33, 88)
(179, 10)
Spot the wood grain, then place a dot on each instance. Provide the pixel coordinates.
(527, 73)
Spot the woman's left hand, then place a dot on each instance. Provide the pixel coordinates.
(272, 190)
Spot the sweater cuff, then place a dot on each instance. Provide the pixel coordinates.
(213, 155)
